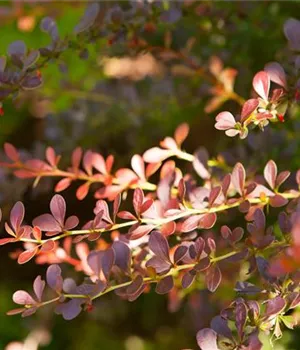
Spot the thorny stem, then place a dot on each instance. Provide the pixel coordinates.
(161, 221)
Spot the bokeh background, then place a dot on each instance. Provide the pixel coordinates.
(123, 103)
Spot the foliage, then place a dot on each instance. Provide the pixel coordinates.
(152, 223)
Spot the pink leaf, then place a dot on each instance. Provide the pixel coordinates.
(270, 173)
(138, 199)
(126, 215)
(138, 165)
(248, 108)
(21, 297)
(99, 163)
(156, 155)
(191, 223)
(225, 121)
(71, 222)
(261, 84)
(238, 178)
(4, 241)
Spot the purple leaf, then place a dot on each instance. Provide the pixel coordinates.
(161, 266)
(38, 287)
(274, 307)
(17, 215)
(219, 325)
(159, 245)
(261, 84)
(214, 194)
(17, 48)
(292, 32)
(188, 279)
(164, 285)
(94, 260)
(88, 18)
(46, 222)
(240, 318)
(70, 309)
(202, 265)
(180, 253)
(136, 285)
(108, 260)
(71, 222)
(58, 208)
(54, 278)
(213, 278)
(247, 288)
(207, 339)
(122, 255)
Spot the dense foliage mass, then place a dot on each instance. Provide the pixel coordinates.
(152, 223)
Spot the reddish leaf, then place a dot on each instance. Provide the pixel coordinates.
(248, 108)
(191, 223)
(71, 222)
(141, 231)
(274, 307)
(225, 184)
(202, 265)
(62, 185)
(214, 194)
(126, 215)
(51, 156)
(76, 158)
(146, 205)
(181, 133)
(138, 199)
(116, 206)
(99, 163)
(11, 152)
(82, 191)
(208, 220)
(27, 255)
(213, 278)
(48, 246)
(4, 241)
(168, 228)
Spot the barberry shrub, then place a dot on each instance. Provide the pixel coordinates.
(159, 226)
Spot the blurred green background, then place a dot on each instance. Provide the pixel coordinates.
(86, 103)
